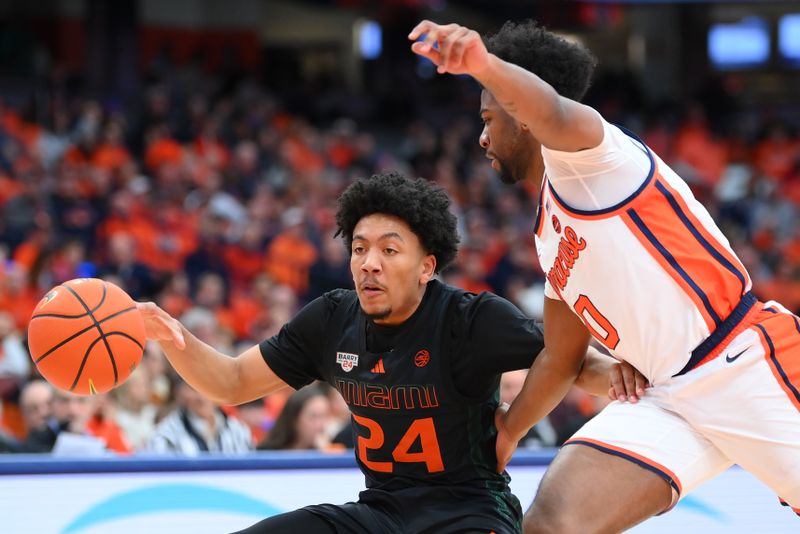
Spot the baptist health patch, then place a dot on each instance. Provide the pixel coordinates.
(347, 360)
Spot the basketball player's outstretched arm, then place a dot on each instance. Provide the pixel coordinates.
(556, 122)
(222, 378)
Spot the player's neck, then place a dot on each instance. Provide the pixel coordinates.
(535, 173)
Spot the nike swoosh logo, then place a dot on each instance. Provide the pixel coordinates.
(729, 359)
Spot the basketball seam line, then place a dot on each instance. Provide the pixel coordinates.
(66, 316)
(80, 333)
(102, 336)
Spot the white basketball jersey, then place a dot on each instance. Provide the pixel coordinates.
(651, 277)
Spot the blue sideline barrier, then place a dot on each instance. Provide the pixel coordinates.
(40, 464)
(213, 494)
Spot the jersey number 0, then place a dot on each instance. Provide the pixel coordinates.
(596, 322)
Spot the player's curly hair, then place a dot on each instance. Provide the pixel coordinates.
(424, 206)
(568, 67)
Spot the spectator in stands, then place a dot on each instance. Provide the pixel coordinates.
(75, 175)
(17, 294)
(196, 426)
(8, 443)
(208, 256)
(135, 413)
(290, 255)
(36, 405)
(301, 424)
(71, 413)
(202, 323)
(136, 277)
(255, 415)
(154, 365)
(330, 271)
(102, 424)
(211, 295)
(338, 427)
(15, 363)
(79, 415)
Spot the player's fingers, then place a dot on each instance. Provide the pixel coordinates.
(446, 42)
(630, 381)
(617, 389)
(453, 49)
(641, 383)
(419, 29)
(425, 51)
(435, 36)
(174, 331)
(432, 37)
(146, 308)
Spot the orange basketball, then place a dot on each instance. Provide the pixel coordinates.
(86, 336)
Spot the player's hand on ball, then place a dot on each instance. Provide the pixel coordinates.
(506, 445)
(161, 326)
(459, 50)
(626, 383)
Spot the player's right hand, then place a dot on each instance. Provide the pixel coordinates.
(161, 326)
(459, 50)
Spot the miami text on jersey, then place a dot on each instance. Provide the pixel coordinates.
(397, 397)
(569, 248)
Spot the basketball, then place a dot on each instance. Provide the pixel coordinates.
(86, 336)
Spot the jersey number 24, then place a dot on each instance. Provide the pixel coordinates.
(429, 454)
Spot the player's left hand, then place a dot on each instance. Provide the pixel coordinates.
(452, 48)
(626, 383)
(506, 445)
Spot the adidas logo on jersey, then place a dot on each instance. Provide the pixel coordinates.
(378, 369)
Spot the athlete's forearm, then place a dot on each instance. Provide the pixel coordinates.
(556, 122)
(553, 372)
(595, 372)
(517, 90)
(207, 370)
(546, 384)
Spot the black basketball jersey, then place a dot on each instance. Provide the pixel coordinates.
(411, 426)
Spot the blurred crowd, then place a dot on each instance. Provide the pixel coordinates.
(217, 202)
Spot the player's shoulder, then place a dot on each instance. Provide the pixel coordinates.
(338, 299)
(339, 296)
(468, 304)
(616, 140)
(323, 307)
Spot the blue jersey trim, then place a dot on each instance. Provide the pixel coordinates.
(637, 461)
(675, 265)
(697, 235)
(720, 333)
(777, 364)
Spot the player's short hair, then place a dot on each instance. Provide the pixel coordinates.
(567, 66)
(424, 206)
